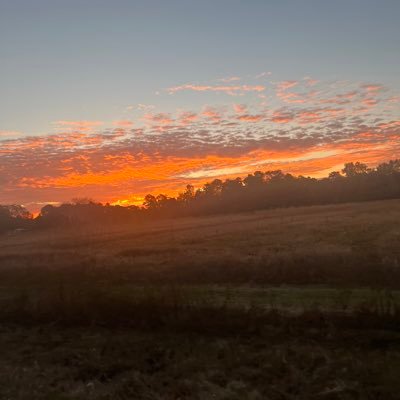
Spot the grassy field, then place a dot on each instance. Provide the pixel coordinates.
(296, 303)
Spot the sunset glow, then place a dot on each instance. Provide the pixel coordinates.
(167, 125)
(310, 131)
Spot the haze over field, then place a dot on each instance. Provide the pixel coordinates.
(116, 100)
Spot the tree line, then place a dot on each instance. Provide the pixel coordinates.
(260, 190)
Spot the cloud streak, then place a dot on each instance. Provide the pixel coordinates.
(82, 126)
(231, 90)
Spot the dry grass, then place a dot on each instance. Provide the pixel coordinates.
(350, 244)
(296, 303)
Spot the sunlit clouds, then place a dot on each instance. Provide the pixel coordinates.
(124, 123)
(302, 126)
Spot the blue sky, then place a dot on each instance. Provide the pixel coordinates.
(89, 59)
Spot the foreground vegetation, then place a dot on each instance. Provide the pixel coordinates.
(281, 360)
(294, 303)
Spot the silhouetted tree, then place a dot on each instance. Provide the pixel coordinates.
(14, 217)
(335, 175)
(391, 167)
(353, 169)
(150, 202)
(188, 195)
(259, 190)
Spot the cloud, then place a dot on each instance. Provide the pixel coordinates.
(212, 113)
(9, 134)
(309, 117)
(340, 98)
(285, 85)
(391, 125)
(140, 107)
(230, 79)
(231, 90)
(394, 99)
(123, 123)
(282, 117)
(263, 74)
(251, 118)
(371, 87)
(187, 117)
(369, 102)
(310, 81)
(159, 119)
(240, 108)
(145, 107)
(291, 97)
(82, 126)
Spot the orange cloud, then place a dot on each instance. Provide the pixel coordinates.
(212, 114)
(124, 123)
(308, 117)
(159, 119)
(187, 117)
(240, 108)
(282, 117)
(250, 118)
(369, 102)
(291, 97)
(389, 125)
(122, 175)
(284, 85)
(372, 87)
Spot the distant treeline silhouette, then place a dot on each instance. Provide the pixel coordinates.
(260, 190)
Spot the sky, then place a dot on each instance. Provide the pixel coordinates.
(116, 99)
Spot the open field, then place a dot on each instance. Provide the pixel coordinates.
(341, 244)
(294, 303)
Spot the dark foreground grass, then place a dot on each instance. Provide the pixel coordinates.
(110, 305)
(84, 343)
(239, 358)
